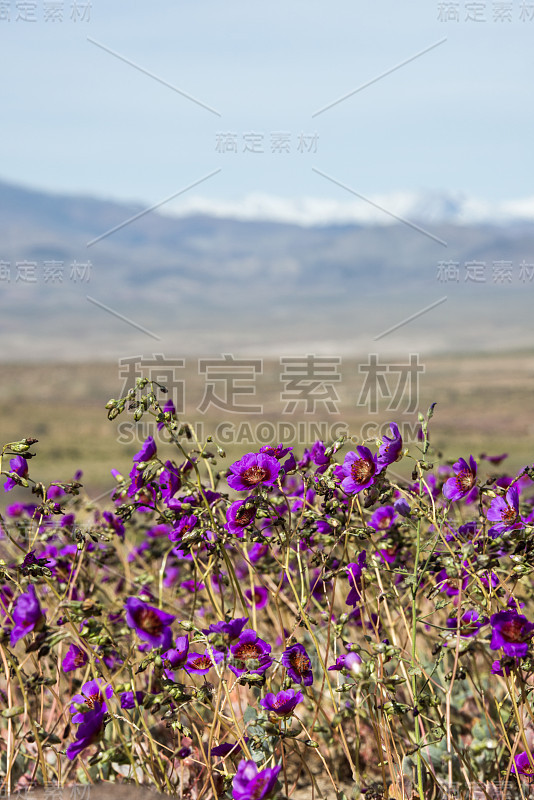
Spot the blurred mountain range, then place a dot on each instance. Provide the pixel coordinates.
(91, 279)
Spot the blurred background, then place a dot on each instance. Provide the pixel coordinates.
(294, 215)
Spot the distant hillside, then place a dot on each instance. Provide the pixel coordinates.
(212, 285)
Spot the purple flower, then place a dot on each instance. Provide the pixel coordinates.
(136, 485)
(355, 572)
(318, 586)
(176, 657)
(251, 654)
(254, 469)
(489, 578)
(357, 471)
(16, 510)
(238, 517)
(158, 530)
(282, 704)
(289, 464)
(231, 630)
(390, 449)
(323, 526)
(402, 506)
(512, 632)
(470, 623)
(127, 699)
(257, 551)
(74, 659)
(514, 604)
(88, 732)
(170, 481)
(467, 531)
(383, 518)
(19, 466)
(259, 598)
(92, 695)
(505, 512)
(138, 551)
(168, 408)
(502, 667)
(27, 615)
(463, 481)
(6, 596)
(431, 485)
(226, 748)
(31, 560)
(277, 452)
(302, 500)
(150, 624)
(110, 659)
(387, 551)
(113, 522)
(251, 784)
(200, 663)
(147, 452)
(450, 585)
(192, 585)
(318, 454)
(298, 665)
(185, 525)
(349, 660)
(522, 765)
(494, 459)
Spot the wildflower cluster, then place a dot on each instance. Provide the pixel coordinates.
(219, 631)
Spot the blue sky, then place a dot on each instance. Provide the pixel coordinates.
(457, 118)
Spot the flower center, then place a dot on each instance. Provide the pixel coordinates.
(361, 470)
(79, 659)
(508, 515)
(248, 650)
(94, 698)
(299, 662)
(148, 621)
(465, 480)
(259, 785)
(512, 631)
(202, 662)
(254, 475)
(244, 515)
